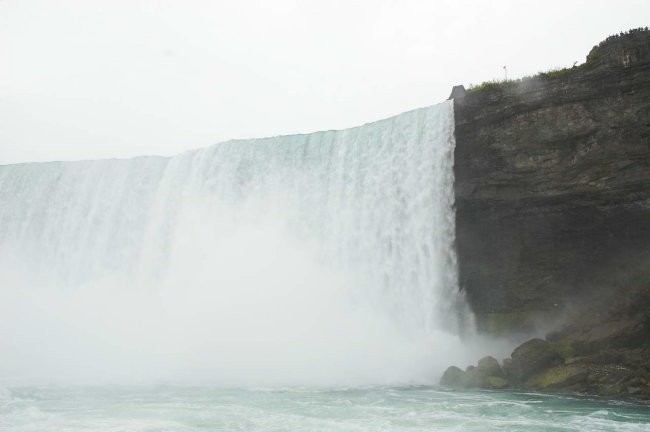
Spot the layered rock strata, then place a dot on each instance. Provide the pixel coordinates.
(553, 222)
(553, 186)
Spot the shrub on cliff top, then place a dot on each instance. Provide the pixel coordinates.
(630, 32)
(592, 60)
(493, 85)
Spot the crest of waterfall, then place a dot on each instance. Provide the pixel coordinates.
(367, 211)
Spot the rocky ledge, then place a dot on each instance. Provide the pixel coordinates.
(603, 350)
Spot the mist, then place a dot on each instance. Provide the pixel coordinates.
(281, 261)
(236, 317)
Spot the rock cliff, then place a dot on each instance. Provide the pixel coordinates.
(553, 186)
(603, 349)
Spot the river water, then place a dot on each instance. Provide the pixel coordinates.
(194, 409)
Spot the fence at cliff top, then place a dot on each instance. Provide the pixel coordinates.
(311, 259)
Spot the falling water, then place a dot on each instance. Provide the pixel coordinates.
(310, 259)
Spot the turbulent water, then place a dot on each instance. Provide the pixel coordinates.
(172, 409)
(294, 283)
(322, 259)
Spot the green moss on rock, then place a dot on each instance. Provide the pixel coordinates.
(496, 383)
(489, 366)
(532, 357)
(564, 349)
(453, 377)
(557, 377)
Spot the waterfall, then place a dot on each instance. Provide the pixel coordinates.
(290, 257)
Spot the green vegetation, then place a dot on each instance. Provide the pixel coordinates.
(493, 85)
(557, 73)
(592, 59)
(630, 32)
(559, 376)
(546, 75)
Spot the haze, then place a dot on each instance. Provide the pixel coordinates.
(90, 79)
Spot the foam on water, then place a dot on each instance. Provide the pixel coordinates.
(185, 409)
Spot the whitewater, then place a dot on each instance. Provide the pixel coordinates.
(304, 282)
(313, 259)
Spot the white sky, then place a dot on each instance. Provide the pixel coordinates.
(92, 79)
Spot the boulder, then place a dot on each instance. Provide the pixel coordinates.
(495, 382)
(531, 358)
(453, 377)
(473, 378)
(487, 374)
(489, 366)
(505, 366)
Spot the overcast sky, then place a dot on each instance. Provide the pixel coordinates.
(93, 79)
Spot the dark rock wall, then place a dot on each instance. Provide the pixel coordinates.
(553, 183)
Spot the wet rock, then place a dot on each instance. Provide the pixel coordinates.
(634, 390)
(453, 377)
(505, 366)
(531, 358)
(495, 382)
(553, 222)
(610, 334)
(558, 377)
(489, 366)
(473, 378)
(487, 374)
(564, 349)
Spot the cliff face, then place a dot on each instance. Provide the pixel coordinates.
(553, 184)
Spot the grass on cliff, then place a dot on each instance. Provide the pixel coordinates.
(493, 85)
(545, 75)
(556, 73)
